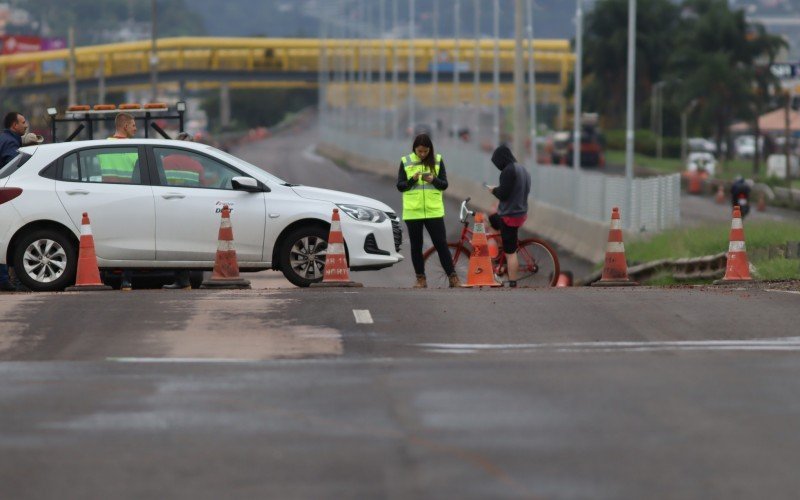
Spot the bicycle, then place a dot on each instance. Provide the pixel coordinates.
(538, 262)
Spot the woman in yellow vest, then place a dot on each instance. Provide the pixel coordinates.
(421, 179)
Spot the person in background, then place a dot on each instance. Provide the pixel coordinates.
(14, 127)
(512, 211)
(124, 128)
(421, 179)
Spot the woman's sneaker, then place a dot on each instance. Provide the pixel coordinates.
(421, 281)
(454, 281)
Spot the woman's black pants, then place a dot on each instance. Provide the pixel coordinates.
(438, 236)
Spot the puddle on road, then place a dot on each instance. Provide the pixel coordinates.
(232, 325)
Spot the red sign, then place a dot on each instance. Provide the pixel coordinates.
(18, 44)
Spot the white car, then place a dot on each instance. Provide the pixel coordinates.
(157, 204)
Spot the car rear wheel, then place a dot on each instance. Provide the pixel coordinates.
(302, 255)
(45, 260)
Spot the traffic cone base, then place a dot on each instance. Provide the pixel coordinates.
(87, 277)
(737, 268)
(615, 269)
(337, 273)
(226, 267)
(480, 272)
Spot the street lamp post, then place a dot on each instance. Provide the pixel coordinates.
(456, 71)
(629, 133)
(153, 52)
(532, 87)
(435, 76)
(496, 74)
(412, 118)
(684, 118)
(576, 115)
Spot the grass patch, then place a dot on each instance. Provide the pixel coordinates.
(726, 169)
(713, 239)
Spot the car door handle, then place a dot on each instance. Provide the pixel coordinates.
(170, 196)
(77, 191)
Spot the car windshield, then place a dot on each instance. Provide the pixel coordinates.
(239, 161)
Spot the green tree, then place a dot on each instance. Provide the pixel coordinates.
(606, 53)
(716, 57)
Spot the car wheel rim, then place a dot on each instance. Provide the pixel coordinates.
(44, 261)
(307, 257)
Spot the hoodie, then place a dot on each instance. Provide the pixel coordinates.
(515, 184)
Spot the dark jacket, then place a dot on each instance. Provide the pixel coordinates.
(515, 184)
(439, 182)
(10, 142)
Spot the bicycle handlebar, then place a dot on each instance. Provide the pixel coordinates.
(465, 212)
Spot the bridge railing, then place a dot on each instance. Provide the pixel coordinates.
(266, 54)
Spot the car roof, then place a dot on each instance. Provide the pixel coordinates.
(69, 146)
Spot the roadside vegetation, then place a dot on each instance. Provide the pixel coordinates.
(763, 239)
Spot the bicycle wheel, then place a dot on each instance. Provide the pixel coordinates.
(538, 264)
(437, 278)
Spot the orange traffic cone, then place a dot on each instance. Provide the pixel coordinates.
(336, 271)
(226, 266)
(737, 269)
(762, 202)
(564, 279)
(480, 271)
(720, 197)
(88, 276)
(615, 270)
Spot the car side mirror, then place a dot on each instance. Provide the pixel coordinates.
(247, 184)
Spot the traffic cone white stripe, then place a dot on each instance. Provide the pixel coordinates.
(225, 223)
(86, 230)
(615, 224)
(335, 248)
(737, 224)
(615, 247)
(225, 246)
(736, 246)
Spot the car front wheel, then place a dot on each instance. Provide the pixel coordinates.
(45, 261)
(302, 255)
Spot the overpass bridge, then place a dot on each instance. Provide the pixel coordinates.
(195, 63)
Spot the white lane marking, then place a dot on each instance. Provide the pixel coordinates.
(781, 344)
(782, 291)
(179, 360)
(362, 316)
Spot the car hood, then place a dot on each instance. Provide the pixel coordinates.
(339, 197)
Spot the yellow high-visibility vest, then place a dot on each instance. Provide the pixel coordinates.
(423, 200)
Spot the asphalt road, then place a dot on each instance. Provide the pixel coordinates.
(389, 392)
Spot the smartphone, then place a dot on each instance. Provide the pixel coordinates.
(485, 185)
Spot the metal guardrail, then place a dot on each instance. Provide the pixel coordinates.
(655, 201)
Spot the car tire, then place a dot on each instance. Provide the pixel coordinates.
(302, 255)
(45, 260)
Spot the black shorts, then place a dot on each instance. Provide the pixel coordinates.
(509, 235)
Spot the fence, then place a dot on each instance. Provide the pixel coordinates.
(654, 203)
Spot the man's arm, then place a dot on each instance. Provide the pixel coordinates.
(507, 178)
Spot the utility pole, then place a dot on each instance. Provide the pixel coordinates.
(154, 52)
(629, 133)
(72, 95)
(532, 87)
(382, 83)
(496, 74)
(456, 72)
(435, 104)
(395, 69)
(477, 71)
(412, 118)
(519, 84)
(576, 115)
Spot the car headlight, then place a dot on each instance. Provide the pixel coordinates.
(363, 213)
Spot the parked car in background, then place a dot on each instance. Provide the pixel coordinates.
(155, 204)
(701, 145)
(746, 146)
(701, 162)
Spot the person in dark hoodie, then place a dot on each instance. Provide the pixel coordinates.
(512, 211)
(15, 125)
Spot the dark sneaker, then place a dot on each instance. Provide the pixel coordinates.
(177, 286)
(126, 286)
(511, 284)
